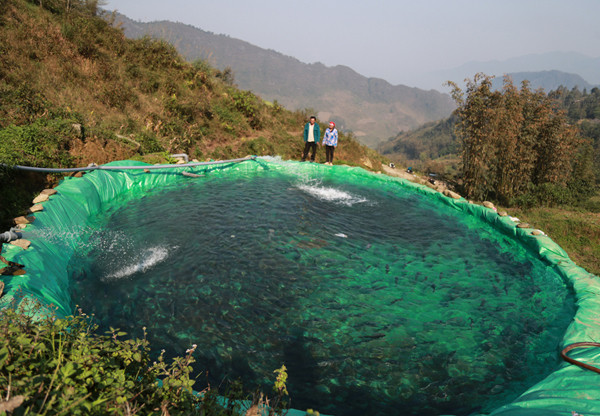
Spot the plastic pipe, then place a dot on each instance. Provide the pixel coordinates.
(8, 236)
(101, 167)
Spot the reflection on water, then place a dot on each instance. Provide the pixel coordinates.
(376, 300)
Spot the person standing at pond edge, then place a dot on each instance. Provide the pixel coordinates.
(330, 140)
(312, 133)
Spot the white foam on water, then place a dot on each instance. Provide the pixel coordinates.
(329, 194)
(145, 261)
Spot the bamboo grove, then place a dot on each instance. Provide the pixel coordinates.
(515, 142)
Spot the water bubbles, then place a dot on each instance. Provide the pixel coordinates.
(140, 263)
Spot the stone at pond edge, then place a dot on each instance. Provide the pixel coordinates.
(41, 198)
(523, 225)
(537, 232)
(191, 175)
(24, 220)
(451, 194)
(503, 213)
(49, 192)
(36, 208)
(488, 204)
(24, 244)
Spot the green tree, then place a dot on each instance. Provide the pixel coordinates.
(513, 140)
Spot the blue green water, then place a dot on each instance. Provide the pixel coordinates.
(378, 300)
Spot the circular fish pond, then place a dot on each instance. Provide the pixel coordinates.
(377, 298)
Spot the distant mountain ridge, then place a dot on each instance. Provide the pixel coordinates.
(546, 80)
(586, 67)
(370, 107)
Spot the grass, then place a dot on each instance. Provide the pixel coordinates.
(576, 231)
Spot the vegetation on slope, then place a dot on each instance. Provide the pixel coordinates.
(74, 90)
(370, 107)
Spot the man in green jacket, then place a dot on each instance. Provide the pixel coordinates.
(311, 138)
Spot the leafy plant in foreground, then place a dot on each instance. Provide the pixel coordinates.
(54, 366)
(60, 366)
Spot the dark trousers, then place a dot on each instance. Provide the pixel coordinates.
(307, 147)
(329, 153)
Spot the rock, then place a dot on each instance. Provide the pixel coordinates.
(254, 410)
(36, 208)
(24, 244)
(78, 174)
(11, 404)
(537, 232)
(146, 170)
(451, 194)
(41, 198)
(523, 225)
(12, 271)
(44, 195)
(488, 204)
(24, 220)
(180, 161)
(367, 162)
(503, 213)
(191, 175)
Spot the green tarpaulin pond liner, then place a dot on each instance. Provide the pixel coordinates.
(80, 201)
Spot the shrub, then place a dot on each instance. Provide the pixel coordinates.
(61, 365)
(248, 104)
(259, 146)
(149, 143)
(45, 143)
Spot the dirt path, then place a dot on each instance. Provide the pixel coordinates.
(402, 173)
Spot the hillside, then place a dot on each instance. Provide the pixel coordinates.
(430, 147)
(371, 108)
(74, 90)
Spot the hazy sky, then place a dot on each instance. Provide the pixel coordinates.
(391, 39)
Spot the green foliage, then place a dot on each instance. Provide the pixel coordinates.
(149, 143)
(512, 141)
(43, 143)
(62, 366)
(249, 105)
(154, 54)
(21, 104)
(575, 230)
(258, 146)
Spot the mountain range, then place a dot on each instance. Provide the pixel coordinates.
(371, 108)
(587, 68)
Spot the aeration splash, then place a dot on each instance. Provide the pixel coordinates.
(375, 293)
